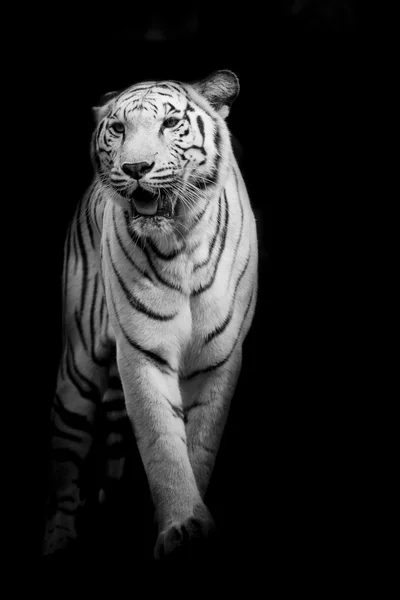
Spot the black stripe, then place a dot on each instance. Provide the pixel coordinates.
(195, 404)
(217, 142)
(64, 435)
(124, 250)
(96, 139)
(241, 223)
(225, 360)
(206, 286)
(166, 104)
(160, 278)
(177, 87)
(164, 94)
(200, 124)
(71, 419)
(102, 306)
(198, 217)
(90, 384)
(157, 360)
(160, 254)
(134, 302)
(93, 395)
(213, 176)
(189, 108)
(228, 318)
(214, 239)
(178, 412)
(80, 330)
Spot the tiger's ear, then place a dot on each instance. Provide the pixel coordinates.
(220, 89)
(100, 111)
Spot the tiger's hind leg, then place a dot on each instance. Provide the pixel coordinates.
(117, 429)
(80, 386)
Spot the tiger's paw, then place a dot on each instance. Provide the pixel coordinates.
(188, 539)
(60, 532)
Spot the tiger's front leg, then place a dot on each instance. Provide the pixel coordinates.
(206, 409)
(154, 406)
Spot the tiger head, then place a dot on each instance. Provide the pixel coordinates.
(163, 148)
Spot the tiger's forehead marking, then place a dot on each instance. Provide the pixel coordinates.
(153, 98)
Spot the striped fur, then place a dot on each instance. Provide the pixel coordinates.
(156, 307)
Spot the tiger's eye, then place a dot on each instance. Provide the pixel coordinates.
(171, 122)
(117, 127)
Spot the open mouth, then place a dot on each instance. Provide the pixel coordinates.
(147, 204)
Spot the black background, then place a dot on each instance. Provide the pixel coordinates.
(281, 483)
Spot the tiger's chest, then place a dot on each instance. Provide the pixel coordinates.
(203, 308)
(180, 290)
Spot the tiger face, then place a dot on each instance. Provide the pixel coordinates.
(161, 149)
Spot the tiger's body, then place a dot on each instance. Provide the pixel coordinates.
(160, 286)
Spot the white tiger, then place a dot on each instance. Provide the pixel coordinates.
(160, 287)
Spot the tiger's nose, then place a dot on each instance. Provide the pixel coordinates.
(137, 170)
